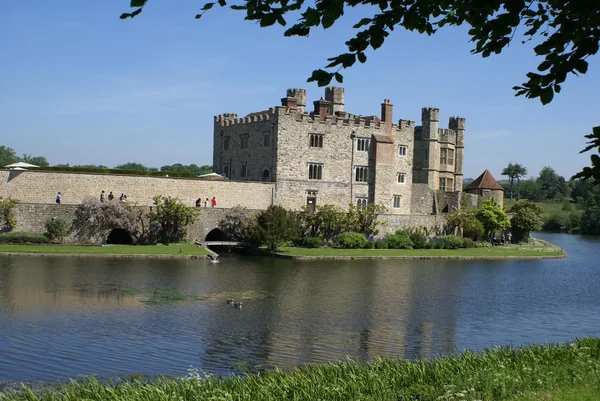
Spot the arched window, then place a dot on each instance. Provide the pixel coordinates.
(266, 176)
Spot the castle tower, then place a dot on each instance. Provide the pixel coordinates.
(458, 125)
(386, 115)
(430, 147)
(337, 98)
(300, 96)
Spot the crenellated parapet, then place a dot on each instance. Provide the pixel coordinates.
(229, 119)
(447, 135)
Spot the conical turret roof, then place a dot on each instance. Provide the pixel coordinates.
(485, 181)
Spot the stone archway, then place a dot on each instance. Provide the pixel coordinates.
(216, 234)
(119, 236)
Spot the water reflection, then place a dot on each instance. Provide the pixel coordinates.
(64, 317)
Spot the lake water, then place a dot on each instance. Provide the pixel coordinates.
(62, 318)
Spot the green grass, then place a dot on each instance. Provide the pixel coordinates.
(497, 251)
(537, 372)
(548, 207)
(173, 249)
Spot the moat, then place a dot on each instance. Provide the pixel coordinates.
(62, 318)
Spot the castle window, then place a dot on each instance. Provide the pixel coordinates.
(226, 170)
(315, 171)
(447, 184)
(244, 170)
(361, 203)
(244, 141)
(401, 178)
(267, 141)
(316, 140)
(362, 174)
(362, 145)
(397, 201)
(402, 150)
(447, 156)
(266, 175)
(226, 143)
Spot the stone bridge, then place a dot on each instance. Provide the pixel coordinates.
(33, 217)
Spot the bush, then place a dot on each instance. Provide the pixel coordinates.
(235, 224)
(555, 222)
(8, 220)
(452, 242)
(399, 240)
(351, 240)
(468, 243)
(380, 245)
(273, 227)
(311, 242)
(369, 245)
(418, 240)
(57, 229)
(23, 238)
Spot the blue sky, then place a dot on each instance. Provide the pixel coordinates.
(78, 85)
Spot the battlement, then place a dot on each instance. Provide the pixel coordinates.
(456, 123)
(447, 135)
(228, 119)
(430, 114)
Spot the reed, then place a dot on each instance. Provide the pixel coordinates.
(535, 372)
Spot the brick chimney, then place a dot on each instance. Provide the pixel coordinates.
(289, 102)
(386, 115)
(322, 108)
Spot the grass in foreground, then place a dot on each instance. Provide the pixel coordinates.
(173, 249)
(549, 372)
(497, 251)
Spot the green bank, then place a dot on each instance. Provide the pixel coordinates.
(536, 372)
(108, 250)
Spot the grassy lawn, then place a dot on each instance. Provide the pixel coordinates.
(548, 207)
(497, 251)
(173, 249)
(537, 372)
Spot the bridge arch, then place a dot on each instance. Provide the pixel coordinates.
(119, 236)
(216, 234)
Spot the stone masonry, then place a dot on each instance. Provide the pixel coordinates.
(329, 156)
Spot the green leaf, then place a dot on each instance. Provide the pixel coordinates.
(362, 22)
(339, 77)
(137, 3)
(546, 95)
(281, 20)
(581, 66)
(208, 6)
(312, 17)
(361, 57)
(268, 20)
(222, 3)
(198, 16)
(136, 12)
(125, 15)
(377, 39)
(323, 78)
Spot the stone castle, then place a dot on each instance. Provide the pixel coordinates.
(329, 156)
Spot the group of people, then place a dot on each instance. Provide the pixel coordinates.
(212, 202)
(501, 240)
(110, 197)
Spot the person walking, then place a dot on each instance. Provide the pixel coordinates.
(58, 198)
(111, 196)
(102, 196)
(206, 203)
(213, 202)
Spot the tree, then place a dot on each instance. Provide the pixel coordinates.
(192, 168)
(527, 218)
(275, 226)
(57, 229)
(132, 166)
(465, 221)
(492, 216)
(169, 219)
(326, 221)
(236, 223)
(551, 184)
(364, 220)
(594, 171)
(514, 172)
(568, 31)
(590, 212)
(7, 156)
(37, 160)
(94, 219)
(8, 220)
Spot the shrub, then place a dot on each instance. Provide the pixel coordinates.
(399, 240)
(57, 229)
(351, 240)
(8, 220)
(418, 240)
(452, 242)
(169, 219)
(235, 224)
(380, 245)
(468, 243)
(311, 242)
(369, 245)
(555, 222)
(273, 227)
(23, 238)
(94, 218)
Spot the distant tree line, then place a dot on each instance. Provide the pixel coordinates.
(9, 156)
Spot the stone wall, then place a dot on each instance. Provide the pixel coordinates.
(32, 218)
(394, 222)
(41, 187)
